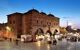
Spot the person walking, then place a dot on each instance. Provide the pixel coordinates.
(16, 41)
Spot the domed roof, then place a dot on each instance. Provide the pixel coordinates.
(15, 13)
(51, 15)
(43, 13)
(33, 10)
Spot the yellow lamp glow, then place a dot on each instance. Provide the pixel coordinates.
(8, 28)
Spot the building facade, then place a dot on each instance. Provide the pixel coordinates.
(15, 23)
(33, 22)
(3, 30)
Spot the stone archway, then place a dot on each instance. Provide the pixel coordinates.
(48, 31)
(55, 32)
(39, 34)
(39, 31)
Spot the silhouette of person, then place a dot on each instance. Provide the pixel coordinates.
(16, 41)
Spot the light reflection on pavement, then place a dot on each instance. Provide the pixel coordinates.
(61, 45)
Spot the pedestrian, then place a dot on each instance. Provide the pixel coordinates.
(16, 41)
(54, 42)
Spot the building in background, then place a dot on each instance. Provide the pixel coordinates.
(3, 30)
(33, 22)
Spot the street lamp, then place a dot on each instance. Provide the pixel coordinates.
(8, 28)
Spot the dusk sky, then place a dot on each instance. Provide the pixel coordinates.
(66, 10)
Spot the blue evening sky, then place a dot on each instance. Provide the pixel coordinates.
(66, 10)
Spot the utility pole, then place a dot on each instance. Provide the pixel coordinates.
(67, 23)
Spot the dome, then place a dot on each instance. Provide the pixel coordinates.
(33, 10)
(51, 15)
(43, 13)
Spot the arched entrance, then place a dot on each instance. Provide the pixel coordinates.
(48, 35)
(39, 34)
(55, 32)
(49, 32)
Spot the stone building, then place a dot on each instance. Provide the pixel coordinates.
(33, 22)
(3, 29)
(15, 23)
